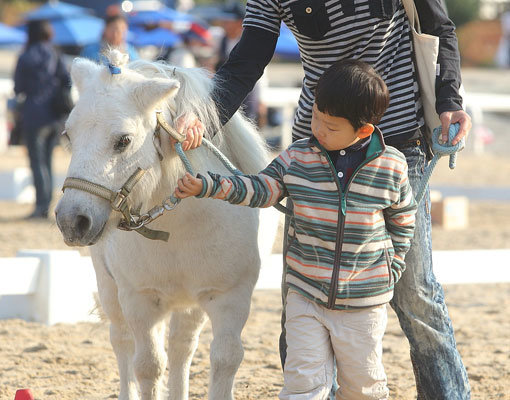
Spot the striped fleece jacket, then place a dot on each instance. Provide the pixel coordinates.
(345, 250)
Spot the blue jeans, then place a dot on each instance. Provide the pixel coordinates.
(40, 144)
(419, 304)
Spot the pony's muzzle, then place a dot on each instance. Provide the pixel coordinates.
(78, 227)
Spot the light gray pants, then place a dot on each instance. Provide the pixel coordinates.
(317, 336)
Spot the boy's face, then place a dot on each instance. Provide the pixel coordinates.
(333, 133)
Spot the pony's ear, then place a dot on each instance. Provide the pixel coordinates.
(81, 71)
(151, 92)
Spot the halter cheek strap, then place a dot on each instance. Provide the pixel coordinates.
(168, 129)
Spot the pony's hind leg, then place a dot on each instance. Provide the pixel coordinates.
(185, 328)
(120, 335)
(146, 320)
(228, 313)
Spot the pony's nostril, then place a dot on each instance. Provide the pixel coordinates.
(82, 225)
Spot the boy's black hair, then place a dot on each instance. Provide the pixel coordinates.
(353, 90)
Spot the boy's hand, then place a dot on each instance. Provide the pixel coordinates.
(188, 186)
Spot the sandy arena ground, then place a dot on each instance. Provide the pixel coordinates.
(76, 361)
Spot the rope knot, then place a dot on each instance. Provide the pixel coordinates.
(440, 150)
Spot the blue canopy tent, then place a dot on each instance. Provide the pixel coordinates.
(9, 35)
(154, 17)
(287, 46)
(156, 35)
(56, 10)
(159, 37)
(77, 31)
(72, 25)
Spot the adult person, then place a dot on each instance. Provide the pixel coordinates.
(114, 35)
(195, 50)
(231, 20)
(378, 33)
(39, 73)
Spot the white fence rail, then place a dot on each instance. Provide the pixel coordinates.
(58, 286)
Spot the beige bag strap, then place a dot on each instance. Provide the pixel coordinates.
(412, 14)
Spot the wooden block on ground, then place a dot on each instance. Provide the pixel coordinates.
(451, 212)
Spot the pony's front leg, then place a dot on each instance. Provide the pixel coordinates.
(120, 335)
(185, 328)
(228, 313)
(147, 323)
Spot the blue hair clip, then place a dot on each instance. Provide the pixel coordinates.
(114, 70)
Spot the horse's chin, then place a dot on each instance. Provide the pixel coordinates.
(88, 240)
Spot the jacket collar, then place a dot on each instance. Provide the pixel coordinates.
(375, 148)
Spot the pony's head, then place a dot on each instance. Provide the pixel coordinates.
(111, 133)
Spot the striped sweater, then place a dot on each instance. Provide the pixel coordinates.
(345, 249)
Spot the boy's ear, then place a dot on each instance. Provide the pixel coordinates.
(365, 131)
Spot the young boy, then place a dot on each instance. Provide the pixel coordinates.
(353, 219)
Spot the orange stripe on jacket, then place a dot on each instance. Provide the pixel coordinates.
(309, 265)
(386, 168)
(316, 218)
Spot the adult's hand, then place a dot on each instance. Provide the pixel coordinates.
(189, 125)
(451, 117)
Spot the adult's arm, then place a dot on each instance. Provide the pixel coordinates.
(244, 67)
(434, 20)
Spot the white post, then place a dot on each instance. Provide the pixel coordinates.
(66, 282)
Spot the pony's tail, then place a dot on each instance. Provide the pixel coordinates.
(246, 148)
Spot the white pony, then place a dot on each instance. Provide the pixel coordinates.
(210, 264)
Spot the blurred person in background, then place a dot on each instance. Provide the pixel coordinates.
(503, 53)
(114, 35)
(195, 50)
(39, 73)
(231, 21)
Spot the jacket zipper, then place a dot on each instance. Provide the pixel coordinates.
(340, 232)
(339, 238)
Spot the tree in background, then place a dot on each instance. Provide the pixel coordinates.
(463, 11)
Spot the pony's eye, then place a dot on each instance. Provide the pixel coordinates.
(122, 143)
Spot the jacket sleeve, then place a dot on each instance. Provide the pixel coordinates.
(258, 191)
(434, 21)
(62, 73)
(19, 77)
(244, 67)
(400, 223)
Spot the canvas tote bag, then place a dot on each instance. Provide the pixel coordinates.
(426, 50)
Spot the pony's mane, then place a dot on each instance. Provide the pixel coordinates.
(238, 139)
(193, 95)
